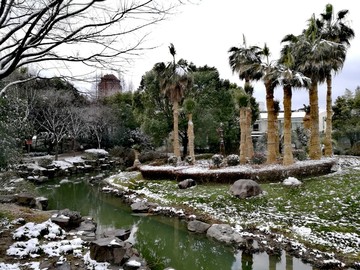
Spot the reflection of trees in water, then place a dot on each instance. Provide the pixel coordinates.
(166, 242)
(246, 261)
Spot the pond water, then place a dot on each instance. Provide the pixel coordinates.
(162, 241)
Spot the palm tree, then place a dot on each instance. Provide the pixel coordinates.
(311, 54)
(288, 78)
(334, 29)
(267, 68)
(189, 106)
(242, 100)
(174, 79)
(244, 61)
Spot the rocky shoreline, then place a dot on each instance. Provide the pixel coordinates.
(249, 241)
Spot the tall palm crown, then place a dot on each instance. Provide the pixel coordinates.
(175, 78)
(243, 59)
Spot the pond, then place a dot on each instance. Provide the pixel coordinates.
(162, 241)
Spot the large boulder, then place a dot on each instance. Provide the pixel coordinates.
(67, 219)
(142, 206)
(111, 250)
(224, 233)
(245, 188)
(198, 226)
(186, 183)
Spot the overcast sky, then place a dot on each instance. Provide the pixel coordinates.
(203, 33)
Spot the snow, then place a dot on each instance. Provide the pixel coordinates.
(97, 151)
(133, 263)
(31, 230)
(23, 248)
(303, 231)
(292, 181)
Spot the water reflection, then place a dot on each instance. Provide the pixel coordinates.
(163, 242)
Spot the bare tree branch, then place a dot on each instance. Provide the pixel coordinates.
(97, 33)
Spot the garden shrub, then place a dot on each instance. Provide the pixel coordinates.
(233, 160)
(172, 160)
(217, 159)
(258, 158)
(45, 161)
(300, 154)
(189, 160)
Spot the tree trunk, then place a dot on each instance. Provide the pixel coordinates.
(191, 138)
(242, 135)
(56, 150)
(314, 149)
(277, 137)
(176, 130)
(288, 155)
(249, 142)
(328, 131)
(271, 137)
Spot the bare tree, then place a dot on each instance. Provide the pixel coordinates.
(98, 33)
(76, 125)
(53, 117)
(97, 120)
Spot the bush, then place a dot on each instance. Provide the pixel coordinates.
(45, 161)
(172, 160)
(300, 154)
(258, 158)
(189, 160)
(233, 160)
(217, 159)
(355, 149)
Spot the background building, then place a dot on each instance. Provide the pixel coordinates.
(109, 85)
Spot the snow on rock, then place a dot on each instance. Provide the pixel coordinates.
(97, 152)
(291, 181)
(24, 248)
(32, 230)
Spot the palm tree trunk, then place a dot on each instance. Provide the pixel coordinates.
(271, 137)
(176, 130)
(288, 156)
(277, 139)
(191, 138)
(242, 135)
(249, 143)
(328, 130)
(315, 150)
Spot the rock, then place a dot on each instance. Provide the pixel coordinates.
(224, 233)
(111, 250)
(38, 179)
(135, 263)
(63, 266)
(67, 219)
(198, 226)
(41, 203)
(88, 225)
(25, 199)
(291, 181)
(142, 207)
(7, 199)
(122, 234)
(186, 183)
(245, 188)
